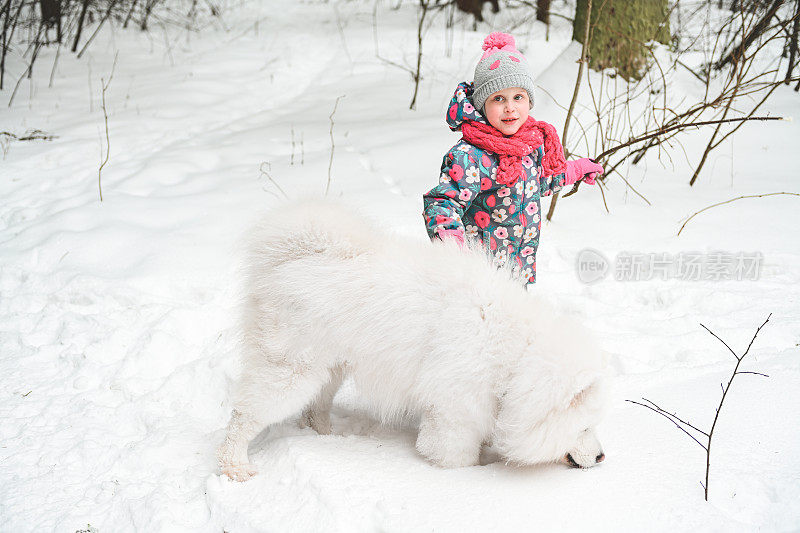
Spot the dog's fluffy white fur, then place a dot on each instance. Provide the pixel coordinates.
(426, 330)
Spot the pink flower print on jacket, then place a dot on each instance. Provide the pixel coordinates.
(531, 208)
(527, 162)
(456, 172)
(465, 195)
(503, 192)
(501, 232)
(482, 219)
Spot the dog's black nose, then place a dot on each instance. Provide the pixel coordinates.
(571, 462)
(600, 458)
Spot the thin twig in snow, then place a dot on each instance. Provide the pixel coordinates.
(675, 416)
(266, 173)
(664, 414)
(333, 143)
(733, 200)
(105, 117)
(679, 423)
(720, 340)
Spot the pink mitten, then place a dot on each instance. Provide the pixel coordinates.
(454, 234)
(585, 169)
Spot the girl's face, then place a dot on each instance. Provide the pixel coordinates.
(507, 110)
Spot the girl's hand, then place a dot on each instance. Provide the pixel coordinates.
(582, 169)
(454, 235)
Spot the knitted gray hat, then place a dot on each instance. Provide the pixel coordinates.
(500, 67)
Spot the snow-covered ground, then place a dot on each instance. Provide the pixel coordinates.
(117, 319)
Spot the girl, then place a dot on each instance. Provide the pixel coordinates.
(492, 179)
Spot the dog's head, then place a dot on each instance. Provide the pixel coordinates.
(551, 408)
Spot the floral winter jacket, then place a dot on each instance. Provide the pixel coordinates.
(505, 220)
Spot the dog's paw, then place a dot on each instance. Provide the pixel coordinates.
(454, 460)
(239, 472)
(316, 420)
(453, 457)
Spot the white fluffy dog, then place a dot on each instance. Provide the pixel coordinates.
(424, 329)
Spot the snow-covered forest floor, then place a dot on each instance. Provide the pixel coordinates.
(117, 318)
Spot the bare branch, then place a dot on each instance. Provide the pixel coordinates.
(662, 131)
(723, 342)
(333, 144)
(756, 335)
(679, 423)
(733, 200)
(575, 92)
(105, 118)
(673, 415)
(755, 373)
(265, 172)
(662, 413)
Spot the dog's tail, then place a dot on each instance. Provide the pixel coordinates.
(308, 228)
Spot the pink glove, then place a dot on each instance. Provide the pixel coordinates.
(585, 169)
(454, 234)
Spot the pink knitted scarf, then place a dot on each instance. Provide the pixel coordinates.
(512, 149)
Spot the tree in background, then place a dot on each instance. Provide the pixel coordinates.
(619, 31)
(730, 53)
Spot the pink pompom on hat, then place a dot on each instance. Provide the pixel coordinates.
(501, 66)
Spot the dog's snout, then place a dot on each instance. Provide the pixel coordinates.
(574, 464)
(571, 462)
(600, 458)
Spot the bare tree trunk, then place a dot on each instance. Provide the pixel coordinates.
(793, 42)
(80, 24)
(130, 13)
(581, 64)
(543, 15)
(6, 14)
(423, 4)
(9, 25)
(35, 47)
(51, 11)
(51, 15)
(111, 5)
(543, 11)
(626, 25)
(148, 8)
